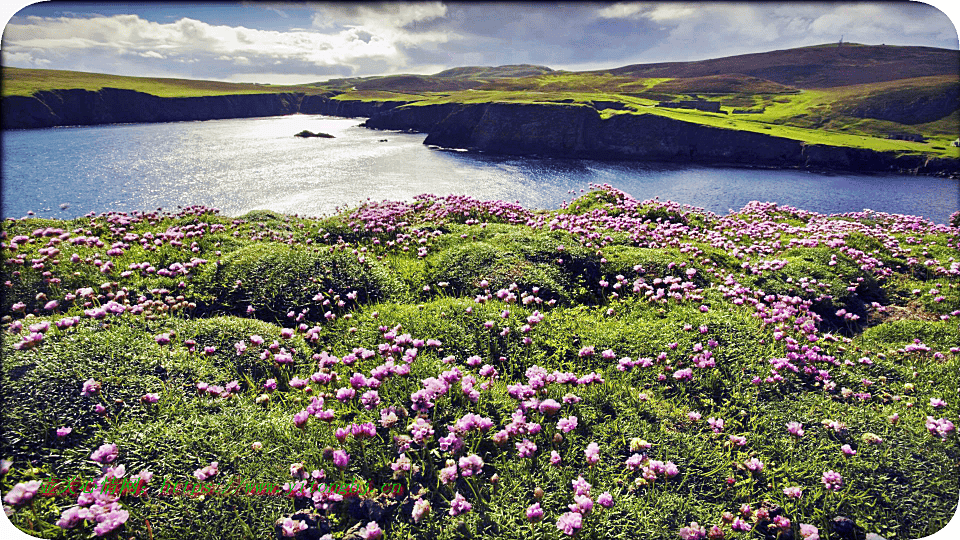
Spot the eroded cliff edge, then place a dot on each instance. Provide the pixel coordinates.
(579, 131)
(115, 106)
(556, 130)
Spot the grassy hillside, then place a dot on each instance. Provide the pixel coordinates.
(24, 82)
(615, 368)
(853, 95)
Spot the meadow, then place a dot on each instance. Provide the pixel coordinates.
(615, 368)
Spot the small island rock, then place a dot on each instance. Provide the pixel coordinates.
(305, 134)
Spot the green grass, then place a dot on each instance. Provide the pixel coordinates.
(24, 82)
(461, 272)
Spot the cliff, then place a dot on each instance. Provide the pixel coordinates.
(578, 131)
(111, 105)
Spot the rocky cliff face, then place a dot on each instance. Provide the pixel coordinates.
(577, 131)
(110, 106)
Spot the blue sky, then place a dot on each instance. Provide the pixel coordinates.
(298, 42)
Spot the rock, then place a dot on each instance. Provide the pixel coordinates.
(305, 134)
(846, 529)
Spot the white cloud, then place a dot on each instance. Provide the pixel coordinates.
(41, 37)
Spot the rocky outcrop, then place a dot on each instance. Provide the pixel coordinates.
(578, 131)
(112, 106)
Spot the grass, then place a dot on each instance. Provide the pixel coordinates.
(505, 304)
(24, 82)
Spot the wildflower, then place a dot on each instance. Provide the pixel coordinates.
(341, 458)
(694, 416)
(162, 339)
(105, 454)
(300, 419)
(555, 458)
(592, 453)
(605, 499)
(371, 532)
(549, 407)
(580, 486)
(22, 492)
(90, 387)
(570, 523)
(420, 510)
(449, 473)
(716, 424)
(64, 431)
(716, 533)
(940, 427)
(149, 398)
(568, 424)
(754, 465)
(936, 403)
(257, 445)
(832, 480)
(694, 531)
(848, 451)
(795, 429)
(470, 465)
(534, 513)
(793, 492)
(809, 532)
(582, 504)
(740, 525)
(526, 448)
(291, 527)
(871, 438)
(459, 505)
(207, 472)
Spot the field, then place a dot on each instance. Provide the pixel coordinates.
(612, 369)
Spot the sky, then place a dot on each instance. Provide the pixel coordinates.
(302, 42)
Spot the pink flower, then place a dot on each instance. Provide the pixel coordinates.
(341, 458)
(568, 424)
(207, 472)
(832, 480)
(849, 452)
(534, 513)
(526, 448)
(580, 486)
(420, 509)
(291, 527)
(470, 465)
(793, 492)
(90, 387)
(795, 428)
(694, 531)
(754, 465)
(459, 505)
(809, 532)
(105, 454)
(605, 499)
(592, 453)
(64, 431)
(549, 407)
(555, 458)
(22, 492)
(740, 525)
(570, 523)
(371, 531)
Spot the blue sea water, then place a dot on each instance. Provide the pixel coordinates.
(241, 165)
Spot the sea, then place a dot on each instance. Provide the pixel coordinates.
(239, 165)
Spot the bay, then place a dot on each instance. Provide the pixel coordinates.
(240, 165)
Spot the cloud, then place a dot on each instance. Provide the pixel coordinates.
(706, 30)
(58, 38)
